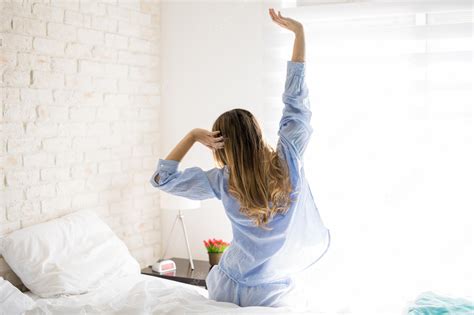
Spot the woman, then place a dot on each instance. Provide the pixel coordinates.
(277, 230)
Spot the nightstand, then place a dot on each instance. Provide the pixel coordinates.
(183, 272)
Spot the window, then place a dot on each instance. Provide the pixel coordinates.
(391, 159)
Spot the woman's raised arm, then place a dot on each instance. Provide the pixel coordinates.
(295, 124)
(297, 28)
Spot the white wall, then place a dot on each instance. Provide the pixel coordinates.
(211, 62)
(79, 83)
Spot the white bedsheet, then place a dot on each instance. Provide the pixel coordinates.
(143, 294)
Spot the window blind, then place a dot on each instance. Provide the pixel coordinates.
(390, 160)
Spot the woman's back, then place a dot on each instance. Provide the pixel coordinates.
(296, 239)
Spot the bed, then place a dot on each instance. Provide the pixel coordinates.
(66, 263)
(76, 264)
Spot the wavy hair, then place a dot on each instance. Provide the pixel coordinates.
(258, 177)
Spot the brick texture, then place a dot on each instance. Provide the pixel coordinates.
(80, 98)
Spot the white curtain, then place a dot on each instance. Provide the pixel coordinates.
(391, 159)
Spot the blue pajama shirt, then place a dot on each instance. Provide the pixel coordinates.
(259, 266)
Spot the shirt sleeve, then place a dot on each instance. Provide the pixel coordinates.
(192, 183)
(295, 129)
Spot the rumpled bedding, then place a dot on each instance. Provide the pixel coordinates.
(12, 300)
(143, 295)
(430, 303)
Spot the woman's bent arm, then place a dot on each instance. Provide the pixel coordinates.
(180, 150)
(207, 138)
(193, 182)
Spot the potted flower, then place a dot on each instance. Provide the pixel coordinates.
(215, 248)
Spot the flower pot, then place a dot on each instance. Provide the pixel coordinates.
(214, 258)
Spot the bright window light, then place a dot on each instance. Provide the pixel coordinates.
(391, 159)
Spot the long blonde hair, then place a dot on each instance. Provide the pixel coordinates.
(257, 175)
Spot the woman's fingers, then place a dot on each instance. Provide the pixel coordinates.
(215, 147)
(275, 16)
(217, 142)
(278, 19)
(210, 139)
(214, 142)
(283, 21)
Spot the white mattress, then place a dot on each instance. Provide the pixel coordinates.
(143, 294)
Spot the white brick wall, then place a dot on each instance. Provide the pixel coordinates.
(80, 95)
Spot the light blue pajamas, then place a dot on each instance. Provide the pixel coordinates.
(258, 267)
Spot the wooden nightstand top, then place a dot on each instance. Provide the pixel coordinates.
(184, 273)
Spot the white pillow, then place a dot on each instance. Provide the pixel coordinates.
(69, 255)
(12, 300)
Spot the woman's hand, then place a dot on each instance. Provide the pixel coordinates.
(297, 28)
(286, 22)
(208, 138)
